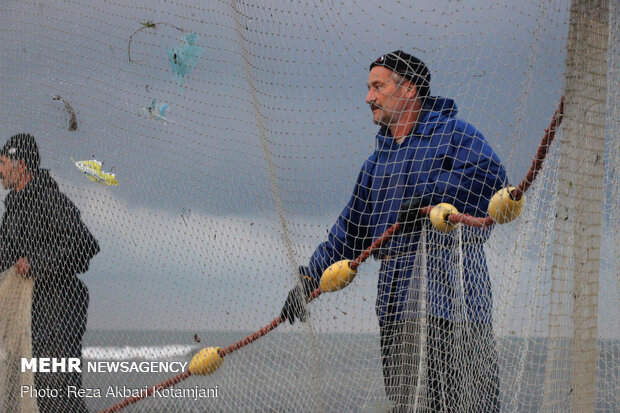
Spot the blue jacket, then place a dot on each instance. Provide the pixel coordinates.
(444, 159)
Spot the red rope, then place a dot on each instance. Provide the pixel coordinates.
(456, 218)
(255, 336)
(131, 400)
(517, 193)
(543, 148)
(378, 243)
(375, 245)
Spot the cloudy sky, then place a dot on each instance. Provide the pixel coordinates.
(215, 210)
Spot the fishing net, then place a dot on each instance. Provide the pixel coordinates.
(211, 146)
(15, 336)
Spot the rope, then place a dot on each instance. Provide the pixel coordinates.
(517, 193)
(131, 400)
(455, 218)
(541, 154)
(378, 243)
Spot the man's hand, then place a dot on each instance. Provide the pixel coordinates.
(23, 267)
(409, 215)
(295, 304)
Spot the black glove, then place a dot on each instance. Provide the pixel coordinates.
(295, 304)
(409, 215)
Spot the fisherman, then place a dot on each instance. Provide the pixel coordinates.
(424, 156)
(43, 236)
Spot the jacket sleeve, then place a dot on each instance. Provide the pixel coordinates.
(349, 235)
(470, 175)
(69, 246)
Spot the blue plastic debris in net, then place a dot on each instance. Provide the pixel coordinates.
(157, 111)
(184, 57)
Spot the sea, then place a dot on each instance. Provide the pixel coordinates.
(285, 372)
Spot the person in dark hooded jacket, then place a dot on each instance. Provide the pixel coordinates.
(431, 285)
(43, 235)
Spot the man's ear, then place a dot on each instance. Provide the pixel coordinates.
(22, 165)
(411, 91)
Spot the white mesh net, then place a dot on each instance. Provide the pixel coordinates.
(237, 131)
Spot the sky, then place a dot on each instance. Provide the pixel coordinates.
(267, 132)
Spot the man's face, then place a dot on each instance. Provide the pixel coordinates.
(387, 98)
(10, 172)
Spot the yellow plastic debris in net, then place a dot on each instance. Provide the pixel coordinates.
(92, 170)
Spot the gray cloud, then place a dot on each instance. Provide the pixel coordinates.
(284, 81)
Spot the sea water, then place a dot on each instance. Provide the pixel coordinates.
(302, 372)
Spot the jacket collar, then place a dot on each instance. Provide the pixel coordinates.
(435, 109)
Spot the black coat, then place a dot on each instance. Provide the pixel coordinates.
(43, 225)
